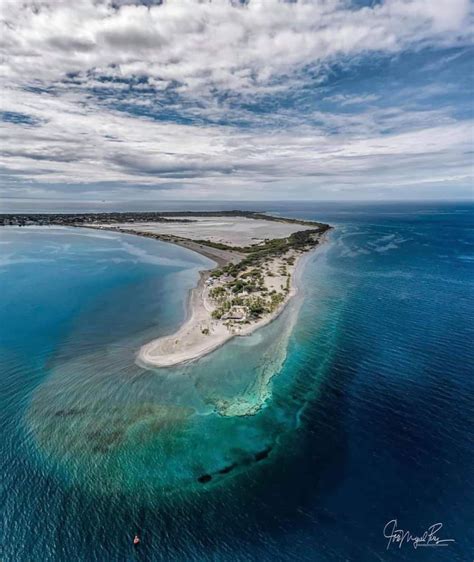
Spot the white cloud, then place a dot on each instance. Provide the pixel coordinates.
(81, 145)
(345, 99)
(194, 53)
(212, 45)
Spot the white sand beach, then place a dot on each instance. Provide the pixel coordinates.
(200, 334)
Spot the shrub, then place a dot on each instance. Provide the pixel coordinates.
(238, 286)
(257, 306)
(217, 292)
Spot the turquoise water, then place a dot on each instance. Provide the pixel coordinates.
(299, 442)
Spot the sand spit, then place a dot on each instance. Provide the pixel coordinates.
(248, 289)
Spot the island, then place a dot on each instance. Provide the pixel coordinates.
(256, 256)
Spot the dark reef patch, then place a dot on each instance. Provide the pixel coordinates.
(261, 455)
(227, 469)
(205, 478)
(69, 412)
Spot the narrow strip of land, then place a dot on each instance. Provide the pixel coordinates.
(251, 285)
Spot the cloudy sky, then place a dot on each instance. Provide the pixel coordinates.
(121, 100)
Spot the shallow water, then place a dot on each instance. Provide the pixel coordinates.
(299, 442)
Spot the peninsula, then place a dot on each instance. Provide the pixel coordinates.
(256, 257)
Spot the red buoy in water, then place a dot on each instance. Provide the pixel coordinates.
(136, 540)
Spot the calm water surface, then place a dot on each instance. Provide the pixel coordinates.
(299, 443)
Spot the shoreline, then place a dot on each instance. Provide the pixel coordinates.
(155, 354)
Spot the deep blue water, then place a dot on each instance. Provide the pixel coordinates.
(369, 415)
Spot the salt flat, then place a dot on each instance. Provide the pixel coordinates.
(232, 231)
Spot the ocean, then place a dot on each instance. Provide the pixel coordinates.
(301, 442)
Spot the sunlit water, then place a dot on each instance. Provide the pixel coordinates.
(300, 442)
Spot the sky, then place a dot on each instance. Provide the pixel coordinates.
(121, 100)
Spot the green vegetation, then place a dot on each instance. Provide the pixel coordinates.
(217, 245)
(257, 306)
(219, 312)
(255, 273)
(247, 276)
(217, 292)
(237, 286)
(275, 301)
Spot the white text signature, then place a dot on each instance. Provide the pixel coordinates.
(398, 537)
